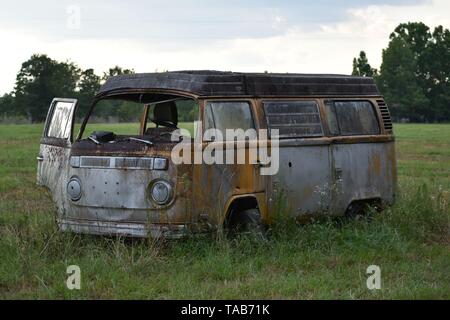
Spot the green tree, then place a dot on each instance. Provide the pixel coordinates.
(7, 105)
(39, 80)
(418, 36)
(399, 83)
(361, 66)
(116, 108)
(431, 53)
(116, 71)
(88, 86)
(436, 61)
(129, 111)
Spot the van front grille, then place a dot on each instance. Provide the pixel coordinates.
(134, 163)
(113, 162)
(385, 115)
(95, 162)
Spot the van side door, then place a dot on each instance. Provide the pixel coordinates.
(55, 146)
(301, 186)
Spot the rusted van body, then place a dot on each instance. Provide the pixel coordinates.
(336, 148)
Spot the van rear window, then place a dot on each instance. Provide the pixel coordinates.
(293, 119)
(351, 118)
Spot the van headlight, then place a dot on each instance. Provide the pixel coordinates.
(161, 192)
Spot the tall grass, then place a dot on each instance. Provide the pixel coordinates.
(34, 249)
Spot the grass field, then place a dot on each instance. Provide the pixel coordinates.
(410, 242)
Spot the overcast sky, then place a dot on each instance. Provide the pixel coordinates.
(314, 36)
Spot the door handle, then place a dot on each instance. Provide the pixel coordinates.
(262, 164)
(40, 158)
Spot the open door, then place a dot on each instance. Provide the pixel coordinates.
(55, 145)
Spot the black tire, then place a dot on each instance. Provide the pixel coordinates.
(247, 222)
(361, 209)
(356, 210)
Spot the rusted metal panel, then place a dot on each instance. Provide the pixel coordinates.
(138, 230)
(227, 182)
(304, 179)
(363, 172)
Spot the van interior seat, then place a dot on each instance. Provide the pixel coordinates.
(165, 114)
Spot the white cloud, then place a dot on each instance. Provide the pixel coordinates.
(328, 49)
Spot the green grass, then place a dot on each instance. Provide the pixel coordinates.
(327, 259)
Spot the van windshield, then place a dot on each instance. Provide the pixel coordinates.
(119, 119)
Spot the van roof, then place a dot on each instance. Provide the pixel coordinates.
(224, 83)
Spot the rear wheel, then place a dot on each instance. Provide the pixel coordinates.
(356, 210)
(359, 209)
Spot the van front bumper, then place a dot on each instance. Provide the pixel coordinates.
(137, 230)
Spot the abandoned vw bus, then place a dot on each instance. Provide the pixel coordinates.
(329, 141)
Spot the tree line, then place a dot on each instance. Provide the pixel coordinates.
(40, 79)
(414, 78)
(414, 75)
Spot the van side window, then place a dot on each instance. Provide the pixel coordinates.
(293, 119)
(228, 115)
(351, 118)
(60, 124)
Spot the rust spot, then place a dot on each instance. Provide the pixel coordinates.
(376, 163)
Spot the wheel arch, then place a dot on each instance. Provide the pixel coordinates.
(361, 204)
(238, 204)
